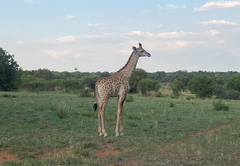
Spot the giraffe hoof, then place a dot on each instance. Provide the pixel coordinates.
(122, 134)
(100, 134)
(117, 134)
(105, 135)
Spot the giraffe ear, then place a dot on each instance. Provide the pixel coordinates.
(134, 48)
(140, 45)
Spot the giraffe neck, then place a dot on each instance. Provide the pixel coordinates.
(129, 67)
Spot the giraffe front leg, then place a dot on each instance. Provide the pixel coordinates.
(116, 129)
(121, 120)
(103, 125)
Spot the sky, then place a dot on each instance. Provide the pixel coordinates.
(94, 35)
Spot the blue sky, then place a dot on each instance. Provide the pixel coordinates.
(95, 35)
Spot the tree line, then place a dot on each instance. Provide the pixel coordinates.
(224, 85)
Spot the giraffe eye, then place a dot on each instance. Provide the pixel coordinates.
(142, 51)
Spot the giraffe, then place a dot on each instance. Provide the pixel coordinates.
(116, 86)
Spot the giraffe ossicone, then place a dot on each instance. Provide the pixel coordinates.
(116, 86)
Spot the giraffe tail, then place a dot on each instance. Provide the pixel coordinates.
(95, 94)
(95, 106)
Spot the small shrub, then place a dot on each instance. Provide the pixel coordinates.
(87, 114)
(62, 112)
(84, 93)
(190, 97)
(107, 117)
(90, 145)
(129, 99)
(83, 149)
(171, 104)
(137, 116)
(110, 140)
(218, 106)
(159, 94)
(6, 95)
(174, 96)
(53, 108)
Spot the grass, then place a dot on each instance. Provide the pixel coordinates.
(154, 131)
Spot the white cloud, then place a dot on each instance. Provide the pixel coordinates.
(146, 11)
(171, 6)
(69, 16)
(160, 25)
(160, 6)
(67, 39)
(182, 43)
(221, 41)
(213, 32)
(218, 22)
(174, 34)
(217, 5)
(20, 42)
(94, 25)
(28, 1)
(136, 33)
(58, 54)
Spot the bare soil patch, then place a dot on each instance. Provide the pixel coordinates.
(5, 156)
(192, 137)
(106, 153)
(109, 151)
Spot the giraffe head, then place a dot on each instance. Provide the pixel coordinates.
(140, 51)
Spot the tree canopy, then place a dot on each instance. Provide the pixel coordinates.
(202, 85)
(9, 72)
(234, 82)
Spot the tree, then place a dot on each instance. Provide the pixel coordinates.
(137, 75)
(32, 84)
(202, 85)
(234, 82)
(90, 81)
(177, 85)
(157, 75)
(221, 92)
(43, 73)
(9, 72)
(146, 85)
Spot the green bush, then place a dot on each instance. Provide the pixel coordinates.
(218, 106)
(221, 92)
(234, 82)
(62, 112)
(202, 85)
(171, 104)
(129, 99)
(84, 93)
(177, 86)
(159, 94)
(137, 75)
(146, 85)
(190, 97)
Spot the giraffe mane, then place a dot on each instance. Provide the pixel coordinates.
(126, 63)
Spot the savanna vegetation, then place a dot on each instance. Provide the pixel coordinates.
(56, 128)
(178, 118)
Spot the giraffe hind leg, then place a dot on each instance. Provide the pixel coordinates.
(104, 104)
(99, 121)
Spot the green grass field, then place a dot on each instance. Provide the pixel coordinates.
(61, 129)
